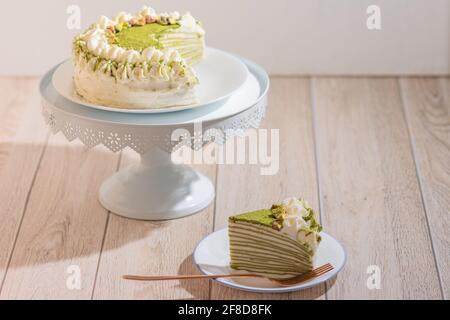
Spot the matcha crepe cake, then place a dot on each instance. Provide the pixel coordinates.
(139, 61)
(279, 242)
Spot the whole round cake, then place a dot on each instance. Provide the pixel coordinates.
(141, 61)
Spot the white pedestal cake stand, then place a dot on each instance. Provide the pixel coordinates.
(156, 188)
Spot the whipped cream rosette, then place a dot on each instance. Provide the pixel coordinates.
(139, 61)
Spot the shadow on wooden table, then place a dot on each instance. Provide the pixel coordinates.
(51, 222)
(50, 210)
(204, 289)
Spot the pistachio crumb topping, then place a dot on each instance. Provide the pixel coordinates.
(278, 213)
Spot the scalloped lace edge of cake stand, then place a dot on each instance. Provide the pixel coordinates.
(118, 137)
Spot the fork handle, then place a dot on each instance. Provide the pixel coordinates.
(189, 277)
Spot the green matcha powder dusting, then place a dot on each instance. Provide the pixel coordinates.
(141, 37)
(274, 217)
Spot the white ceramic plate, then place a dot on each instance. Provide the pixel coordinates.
(212, 257)
(220, 74)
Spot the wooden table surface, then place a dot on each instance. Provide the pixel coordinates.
(372, 154)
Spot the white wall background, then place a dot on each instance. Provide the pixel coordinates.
(285, 36)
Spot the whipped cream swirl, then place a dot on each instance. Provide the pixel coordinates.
(295, 222)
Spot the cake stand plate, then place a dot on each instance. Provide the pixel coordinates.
(156, 188)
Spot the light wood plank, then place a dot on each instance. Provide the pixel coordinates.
(369, 189)
(153, 248)
(23, 136)
(242, 188)
(63, 224)
(427, 108)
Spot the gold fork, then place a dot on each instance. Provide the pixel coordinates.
(282, 282)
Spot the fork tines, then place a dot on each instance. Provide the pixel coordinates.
(310, 275)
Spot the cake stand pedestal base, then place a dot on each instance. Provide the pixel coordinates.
(156, 189)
